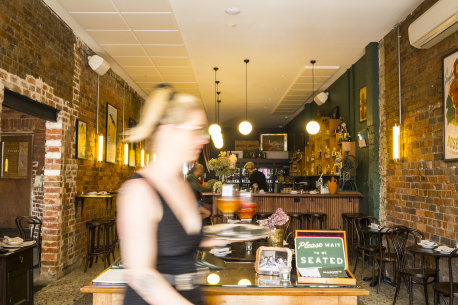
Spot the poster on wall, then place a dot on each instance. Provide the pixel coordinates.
(450, 78)
(112, 127)
(81, 139)
(363, 104)
(274, 142)
(15, 157)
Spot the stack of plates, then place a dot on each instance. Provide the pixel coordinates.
(205, 259)
(427, 244)
(444, 250)
(237, 232)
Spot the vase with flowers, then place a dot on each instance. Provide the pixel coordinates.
(223, 166)
(277, 223)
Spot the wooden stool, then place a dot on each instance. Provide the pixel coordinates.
(100, 240)
(296, 222)
(311, 218)
(349, 227)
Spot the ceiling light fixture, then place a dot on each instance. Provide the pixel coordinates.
(245, 127)
(313, 127)
(232, 11)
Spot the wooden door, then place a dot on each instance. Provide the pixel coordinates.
(15, 178)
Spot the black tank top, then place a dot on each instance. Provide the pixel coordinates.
(175, 248)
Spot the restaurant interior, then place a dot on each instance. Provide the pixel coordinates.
(348, 110)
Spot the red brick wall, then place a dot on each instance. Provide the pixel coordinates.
(41, 58)
(420, 191)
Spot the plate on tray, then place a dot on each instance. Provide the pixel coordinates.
(239, 232)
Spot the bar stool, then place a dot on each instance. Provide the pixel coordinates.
(296, 222)
(349, 227)
(100, 236)
(313, 218)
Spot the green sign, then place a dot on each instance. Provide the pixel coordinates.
(321, 256)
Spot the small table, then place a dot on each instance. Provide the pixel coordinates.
(81, 197)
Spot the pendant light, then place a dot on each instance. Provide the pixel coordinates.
(126, 146)
(215, 128)
(218, 138)
(313, 127)
(245, 127)
(100, 136)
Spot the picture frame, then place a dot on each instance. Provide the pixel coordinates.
(81, 140)
(269, 260)
(274, 142)
(450, 100)
(132, 147)
(111, 134)
(363, 104)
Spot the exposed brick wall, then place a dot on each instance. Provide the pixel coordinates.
(41, 58)
(420, 191)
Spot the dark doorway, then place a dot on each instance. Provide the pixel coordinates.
(15, 177)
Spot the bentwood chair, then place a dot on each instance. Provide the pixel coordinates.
(448, 289)
(417, 272)
(363, 239)
(388, 240)
(30, 229)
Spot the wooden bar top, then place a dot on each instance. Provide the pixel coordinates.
(336, 195)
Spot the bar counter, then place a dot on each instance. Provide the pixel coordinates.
(331, 204)
(261, 290)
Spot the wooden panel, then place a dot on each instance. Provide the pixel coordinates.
(284, 300)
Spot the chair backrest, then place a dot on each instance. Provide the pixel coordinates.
(29, 228)
(396, 240)
(361, 222)
(452, 258)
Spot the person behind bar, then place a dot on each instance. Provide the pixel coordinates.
(257, 179)
(158, 224)
(197, 186)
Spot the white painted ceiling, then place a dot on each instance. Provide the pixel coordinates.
(180, 41)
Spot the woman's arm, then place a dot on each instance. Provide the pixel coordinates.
(139, 212)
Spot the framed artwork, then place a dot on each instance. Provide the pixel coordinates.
(363, 104)
(269, 260)
(112, 133)
(450, 93)
(132, 147)
(274, 142)
(81, 139)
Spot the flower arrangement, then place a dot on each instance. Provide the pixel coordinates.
(277, 219)
(223, 165)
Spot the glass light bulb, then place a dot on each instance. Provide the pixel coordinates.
(312, 127)
(126, 154)
(396, 135)
(100, 150)
(245, 127)
(142, 158)
(214, 129)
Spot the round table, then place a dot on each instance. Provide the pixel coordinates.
(417, 250)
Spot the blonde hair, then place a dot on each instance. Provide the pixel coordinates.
(163, 106)
(249, 165)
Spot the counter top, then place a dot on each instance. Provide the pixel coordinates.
(336, 195)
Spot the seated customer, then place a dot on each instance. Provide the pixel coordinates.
(197, 186)
(257, 179)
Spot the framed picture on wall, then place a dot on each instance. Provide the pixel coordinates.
(274, 142)
(450, 79)
(363, 104)
(112, 133)
(81, 139)
(132, 146)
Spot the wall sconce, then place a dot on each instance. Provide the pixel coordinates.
(396, 142)
(100, 149)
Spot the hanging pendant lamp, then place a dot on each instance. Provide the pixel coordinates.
(245, 127)
(214, 128)
(218, 138)
(313, 127)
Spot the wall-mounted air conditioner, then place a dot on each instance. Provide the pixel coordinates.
(437, 23)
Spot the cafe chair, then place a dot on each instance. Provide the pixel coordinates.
(417, 272)
(30, 229)
(388, 241)
(315, 221)
(347, 220)
(363, 243)
(296, 222)
(448, 289)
